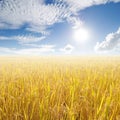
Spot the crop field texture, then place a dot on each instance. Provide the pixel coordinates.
(60, 88)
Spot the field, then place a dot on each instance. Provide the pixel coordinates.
(60, 88)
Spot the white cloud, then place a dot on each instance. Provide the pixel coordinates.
(77, 5)
(67, 49)
(38, 29)
(6, 50)
(39, 46)
(24, 38)
(75, 21)
(112, 41)
(4, 38)
(30, 51)
(28, 39)
(33, 12)
(3, 26)
(38, 15)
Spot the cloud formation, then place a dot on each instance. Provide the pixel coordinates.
(15, 13)
(22, 39)
(112, 41)
(28, 51)
(38, 15)
(67, 49)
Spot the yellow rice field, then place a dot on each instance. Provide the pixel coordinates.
(60, 88)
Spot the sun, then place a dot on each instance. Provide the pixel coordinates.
(81, 35)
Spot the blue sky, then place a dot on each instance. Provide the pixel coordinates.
(53, 27)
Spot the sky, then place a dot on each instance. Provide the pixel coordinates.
(59, 27)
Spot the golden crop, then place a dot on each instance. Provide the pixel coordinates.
(60, 88)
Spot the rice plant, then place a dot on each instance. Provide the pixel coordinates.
(60, 88)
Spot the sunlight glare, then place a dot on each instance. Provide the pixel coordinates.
(81, 35)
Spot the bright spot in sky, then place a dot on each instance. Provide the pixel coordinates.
(81, 35)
